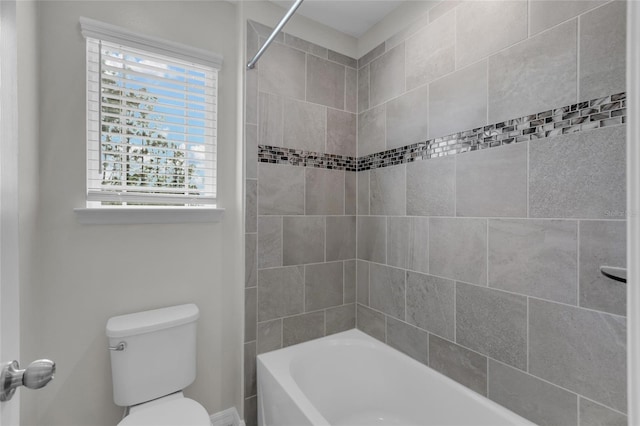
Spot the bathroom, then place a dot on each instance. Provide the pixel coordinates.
(487, 259)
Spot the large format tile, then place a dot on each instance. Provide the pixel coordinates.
(431, 187)
(363, 192)
(535, 75)
(250, 377)
(370, 322)
(363, 89)
(301, 44)
(349, 281)
(493, 323)
(351, 91)
(323, 286)
(341, 238)
(602, 243)
(251, 411)
(508, 19)
(579, 175)
(269, 241)
(458, 363)
(269, 336)
(492, 182)
(458, 249)
(282, 71)
(342, 59)
(280, 292)
(371, 55)
(397, 241)
(371, 131)
(387, 76)
(325, 82)
(592, 414)
(270, 118)
(408, 339)
(302, 328)
(431, 52)
(372, 238)
(251, 150)
(251, 206)
(458, 101)
(362, 282)
(303, 239)
(431, 304)
(304, 125)
(535, 257)
(350, 193)
(341, 132)
(603, 35)
(407, 118)
(251, 98)
(341, 318)
(387, 190)
(580, 350)
(280, 189)
(387, 290)
(418, 255)
(545, 14)
(250, 313)
(250, 260)
(324, 192)
(532, 398)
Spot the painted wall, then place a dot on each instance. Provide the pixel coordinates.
(82, 275)
(483, 263)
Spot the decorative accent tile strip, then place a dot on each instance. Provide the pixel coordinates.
(596, 113)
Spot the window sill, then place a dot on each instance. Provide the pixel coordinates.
(138, 215)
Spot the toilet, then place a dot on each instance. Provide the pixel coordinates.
(153, 358)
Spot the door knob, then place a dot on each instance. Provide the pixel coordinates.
(35, 376)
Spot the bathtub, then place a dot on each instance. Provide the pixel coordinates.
(351, 378)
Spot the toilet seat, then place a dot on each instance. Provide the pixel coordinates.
(168, 411)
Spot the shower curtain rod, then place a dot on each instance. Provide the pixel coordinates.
(252, 63)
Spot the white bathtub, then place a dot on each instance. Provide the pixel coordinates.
(352, 379)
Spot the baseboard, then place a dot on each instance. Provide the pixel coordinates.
(228, 417)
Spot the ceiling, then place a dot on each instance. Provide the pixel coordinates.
(353, 17)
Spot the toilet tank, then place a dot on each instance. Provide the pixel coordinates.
(159, 355)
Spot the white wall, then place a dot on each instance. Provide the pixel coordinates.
(86, 274)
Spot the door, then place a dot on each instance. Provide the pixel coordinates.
(9, 287)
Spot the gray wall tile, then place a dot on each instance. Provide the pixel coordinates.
(592, 414)
(301, 44)
(398, 241)
(431, 187)
(280, 189)
(458, 249)
(578, 175)
(387, 76)
(351, 90)
(441, 8)
(533, 399)
(349, 281)
(280, 292)
(251, 97)
(251, 206)
(458, 363)
(387, 190)
(341, 318)
(371, 55)
(269, 241)
(416, 23)
(535, 75)
(372, 238)
(251, 411)
(250, 260)
(303, 239)
(269, 336)
(342, 59)
(265, 31)
(324, 193)
(602, 244)
(282, 71)
(458, 101)
(270, 117)
(325, 82)
(362, 277)
(418, 257)
(503, 173)
(583, 351)
(363, 192)
(371, 131)
(302, 328)
(545, 14)
(493, 323)
(387, 290)
(603, 51)
(323, 286)
(431, 52)
(370, 322)
(408, 339)
(250, 378)
(508, 18)
(341, 132)
(341, 238)
(535, 257)
(407, 118)
(251, 147)
(304, 125)
(363, 89)
(350, 192)
(250, 313)
(431, 304)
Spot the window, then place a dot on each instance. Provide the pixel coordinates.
(151, 120)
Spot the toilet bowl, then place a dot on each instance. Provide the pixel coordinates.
(153, 358)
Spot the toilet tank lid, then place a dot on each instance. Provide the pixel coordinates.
(148, 321)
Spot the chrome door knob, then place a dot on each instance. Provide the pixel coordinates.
(35, 376)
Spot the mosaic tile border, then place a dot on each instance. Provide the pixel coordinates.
(596, 113)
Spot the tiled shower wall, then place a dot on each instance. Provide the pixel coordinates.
(301, 221)
(485, 264)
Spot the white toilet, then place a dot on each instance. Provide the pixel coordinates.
(153, 357)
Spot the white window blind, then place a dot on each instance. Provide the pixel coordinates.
(151, 127)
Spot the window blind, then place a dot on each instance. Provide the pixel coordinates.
(151, 127)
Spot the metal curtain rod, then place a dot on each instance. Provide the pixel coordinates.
(252, 63)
